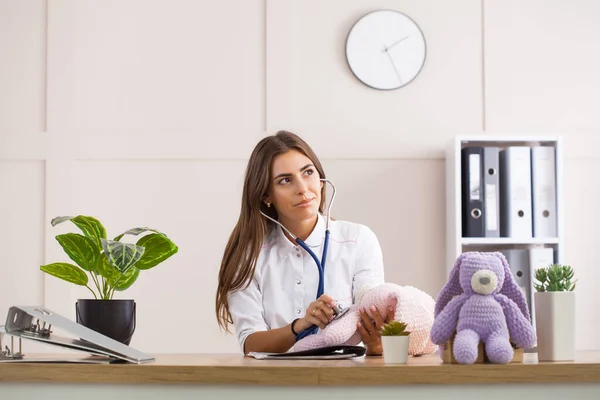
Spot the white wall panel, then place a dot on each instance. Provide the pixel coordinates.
(195, 204)
(21, 236)
(22, 66)
(153, 70)
(15, 145)
(311, 90)
(541, 70)
(400, 200)
(582, 230)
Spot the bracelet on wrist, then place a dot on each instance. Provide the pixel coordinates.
(292, 326)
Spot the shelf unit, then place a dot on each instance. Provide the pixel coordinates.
(456, 244)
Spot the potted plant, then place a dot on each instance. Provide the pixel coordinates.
(554, 303)
(394, 339)
(105, 266)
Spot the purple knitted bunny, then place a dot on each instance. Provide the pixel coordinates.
(482, 302)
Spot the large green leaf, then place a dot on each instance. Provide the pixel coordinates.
(122, 255)
(158, 249)
(80, 249)
(123, 281)
(104, 268)
(136, 232)
(114, 277)
(90, 226)
(67, 272)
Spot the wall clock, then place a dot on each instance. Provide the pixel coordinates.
(385, 49)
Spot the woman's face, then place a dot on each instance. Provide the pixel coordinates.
(295, 187)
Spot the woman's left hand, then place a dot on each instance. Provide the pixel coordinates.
(370, 329)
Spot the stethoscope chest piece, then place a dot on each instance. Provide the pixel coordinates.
(339, 310)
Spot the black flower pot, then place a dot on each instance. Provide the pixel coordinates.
(112, 318)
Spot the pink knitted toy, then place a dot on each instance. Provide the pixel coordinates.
(482, 302)
(413, 306)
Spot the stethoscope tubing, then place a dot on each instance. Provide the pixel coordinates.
(320, 266)
(321, 287)
(320, 263)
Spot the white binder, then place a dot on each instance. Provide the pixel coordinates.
(519, 263)
(543, 180)
(35, 323)
(515, 192)
(538, 258)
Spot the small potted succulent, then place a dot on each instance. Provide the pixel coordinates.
(394, 339)
(554, 307)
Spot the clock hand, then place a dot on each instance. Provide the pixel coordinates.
(399, 41)
(393, 65)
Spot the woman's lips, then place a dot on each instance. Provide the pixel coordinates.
(304, 203)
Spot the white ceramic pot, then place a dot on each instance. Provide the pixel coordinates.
(555, 325)
(395, 349)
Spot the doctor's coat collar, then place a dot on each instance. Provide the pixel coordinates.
(314, 240)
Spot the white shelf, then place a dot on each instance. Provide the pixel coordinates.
(504, 240)
(456, 244)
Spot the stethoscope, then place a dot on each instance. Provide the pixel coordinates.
(338, 310)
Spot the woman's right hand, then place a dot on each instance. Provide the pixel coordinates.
(319, 312)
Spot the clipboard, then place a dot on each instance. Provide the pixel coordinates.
(36, 322)
(340, 352)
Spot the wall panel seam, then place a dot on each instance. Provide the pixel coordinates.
(265, 72)
(483, 92)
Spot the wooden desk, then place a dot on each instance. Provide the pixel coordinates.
(180, 376)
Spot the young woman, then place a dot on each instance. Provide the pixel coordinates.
(267, 283)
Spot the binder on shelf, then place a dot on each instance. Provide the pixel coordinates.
(491, 180)
(543, 180)
(518, 261)
(515, 192)
(36, 322)
(473, 219)
(539, 258)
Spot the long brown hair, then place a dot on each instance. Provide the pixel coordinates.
(242, 250)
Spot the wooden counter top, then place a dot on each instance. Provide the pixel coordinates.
(364, 371)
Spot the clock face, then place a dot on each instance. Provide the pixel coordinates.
(385, 49)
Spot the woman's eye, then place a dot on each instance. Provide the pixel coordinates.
(284, 180)
(309, 171)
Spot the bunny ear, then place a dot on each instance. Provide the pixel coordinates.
(452, 287)
(510, 288)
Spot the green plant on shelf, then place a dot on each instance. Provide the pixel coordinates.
(555, 278)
